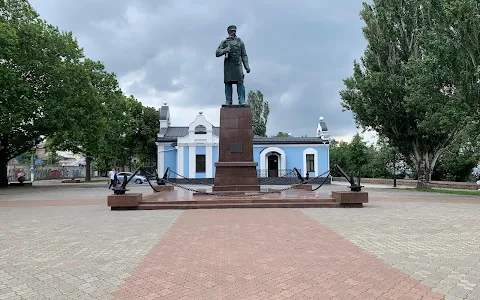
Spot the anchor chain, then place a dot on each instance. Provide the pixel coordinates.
(121, 190)
(325, 180)
(206, 184)
(189, 179)
(244, 196)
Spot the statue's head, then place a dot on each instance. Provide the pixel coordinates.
(232, 30)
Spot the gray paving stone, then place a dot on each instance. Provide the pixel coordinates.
(436, 243)
(8, 295)
(72, 252)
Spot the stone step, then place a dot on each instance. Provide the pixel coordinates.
(208, 205)
(221, 200)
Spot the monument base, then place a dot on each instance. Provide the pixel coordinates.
(348, 198)
(125, 201)
(236, 177)
(306, 187)
(163, 188)
(236, 170)
(236, 188)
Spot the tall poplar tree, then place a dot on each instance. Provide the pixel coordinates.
(416, 84)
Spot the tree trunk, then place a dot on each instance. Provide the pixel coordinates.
(424, 170)
(107, 163)
(88, 164)
(3, 161)
(422, 176)
(3, 169)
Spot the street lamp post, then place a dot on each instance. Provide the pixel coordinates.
(32, 165)
(394, 170)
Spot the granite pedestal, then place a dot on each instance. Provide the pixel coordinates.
(125, 201)
(349, 198)
(163, 188)
(307, 187)
(236, 169)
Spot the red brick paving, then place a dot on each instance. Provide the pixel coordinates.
(263, 254)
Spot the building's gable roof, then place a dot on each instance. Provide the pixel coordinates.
(175, 132)
(259, 140)
(164, 113)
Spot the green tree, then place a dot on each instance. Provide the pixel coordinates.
(26, 157)
(102, 105)
(282, 134)
(147, 148)
(372, 162)
(33, 59)
(52, 158)
(141, 132)
(413, 85)
(358, 154)
(339, 154)
(352, 157)
(460, 158)
(260, 112)
(385, 159)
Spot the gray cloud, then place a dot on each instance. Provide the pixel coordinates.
(299, 52)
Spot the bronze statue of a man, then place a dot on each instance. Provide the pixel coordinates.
(234, 50)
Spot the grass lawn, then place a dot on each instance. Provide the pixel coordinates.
(449, 191)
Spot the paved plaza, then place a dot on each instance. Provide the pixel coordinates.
(63, 242)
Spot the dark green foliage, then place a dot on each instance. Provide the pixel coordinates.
(52, 158)
(356, 156)
(282, 134)
(417, 84)
(35, 59)
(49, 90)
(260, 112)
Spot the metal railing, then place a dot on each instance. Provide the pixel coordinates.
(287, 173)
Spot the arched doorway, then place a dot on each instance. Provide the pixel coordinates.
(281, 161)
(272, 162)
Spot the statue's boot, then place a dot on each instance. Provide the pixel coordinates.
(228, 93)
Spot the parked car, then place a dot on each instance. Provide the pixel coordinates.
(150, 176)
(138, 179)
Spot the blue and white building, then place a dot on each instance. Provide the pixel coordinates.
(192, 150)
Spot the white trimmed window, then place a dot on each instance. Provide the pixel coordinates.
(201, 163)
(310, 162)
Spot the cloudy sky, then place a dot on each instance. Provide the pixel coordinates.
(164, 50)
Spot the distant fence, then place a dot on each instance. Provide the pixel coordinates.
(45, 172)
(411, 182)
